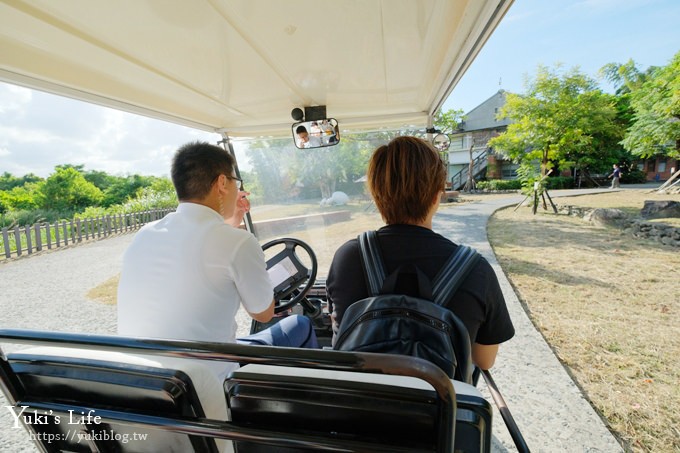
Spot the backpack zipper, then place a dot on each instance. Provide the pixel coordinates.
(384, 312)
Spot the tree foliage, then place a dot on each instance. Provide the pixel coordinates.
(563, 119)
(656, 118)
(283, 172)
(123, 188)
(68, 190)
(324, 168)
(449, 122)
(9, 181)
(270, 160)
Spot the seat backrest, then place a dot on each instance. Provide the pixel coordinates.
(89, 377)
(89, 387)
(396, 412)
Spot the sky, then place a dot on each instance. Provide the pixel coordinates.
(39, 130)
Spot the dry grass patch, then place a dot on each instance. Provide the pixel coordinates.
(608, 304)
(105, 292)
(629, 201)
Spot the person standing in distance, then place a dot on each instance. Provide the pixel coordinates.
(184, 276)
(616, 177)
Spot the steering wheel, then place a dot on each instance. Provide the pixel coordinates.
(288, 273)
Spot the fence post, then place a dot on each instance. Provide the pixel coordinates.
(57, 239)
(17, 239)
(63, 225)
(79, 232)
(5, 241)
(48, 235)
(38, 237)
(29, 243)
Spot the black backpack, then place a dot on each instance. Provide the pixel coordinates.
(416, 326)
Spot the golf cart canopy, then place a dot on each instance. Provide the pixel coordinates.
(239, 67)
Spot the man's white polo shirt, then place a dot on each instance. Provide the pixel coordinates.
(184, 276)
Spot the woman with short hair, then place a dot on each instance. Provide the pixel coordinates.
(406, 178)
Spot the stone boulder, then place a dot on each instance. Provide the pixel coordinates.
(660, 209)
(606, 216)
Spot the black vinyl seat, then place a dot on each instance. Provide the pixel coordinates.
(153, 395)
(90, 387)
(353, 406)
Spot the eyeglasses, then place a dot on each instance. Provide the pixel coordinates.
(239, 181)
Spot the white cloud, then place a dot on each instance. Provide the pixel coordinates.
(39, 131)
(13, 98)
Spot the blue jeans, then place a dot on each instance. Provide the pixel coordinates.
(294, 331)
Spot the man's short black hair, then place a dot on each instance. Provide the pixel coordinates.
(196, 166)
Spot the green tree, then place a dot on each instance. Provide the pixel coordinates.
(123, 188)
(9, 181)
(324, 168)
(626, 77)
(563, 119)
(80, 168)
(270, 160)
(449, 122)
(67, 190)
(656, 121)
(101, 179)
(22, 198)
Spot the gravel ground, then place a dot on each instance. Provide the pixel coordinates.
(48, 292)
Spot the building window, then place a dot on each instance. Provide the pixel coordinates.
(641, 166)
(509, 171)
(651, 165)
(662, 166)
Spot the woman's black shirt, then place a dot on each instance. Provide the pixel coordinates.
(479, 301)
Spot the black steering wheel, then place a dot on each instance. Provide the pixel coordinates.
(288, 273)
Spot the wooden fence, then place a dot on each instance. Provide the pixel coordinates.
(40, 236)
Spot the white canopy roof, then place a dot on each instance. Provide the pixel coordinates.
(241, 66)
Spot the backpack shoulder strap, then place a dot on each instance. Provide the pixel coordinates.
(450, 277)
(372, 261)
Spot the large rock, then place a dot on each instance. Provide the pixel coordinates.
(660, 209)
(605, 216)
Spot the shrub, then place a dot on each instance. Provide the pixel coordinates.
(633, 176)
(560, 182)
(500, 184)
(26, 217)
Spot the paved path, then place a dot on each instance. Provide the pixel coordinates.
(548, 407)
(49, 292)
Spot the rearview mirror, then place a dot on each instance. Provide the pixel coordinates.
(316, 134)
(441, 142)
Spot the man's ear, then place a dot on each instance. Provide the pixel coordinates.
(220, 183)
